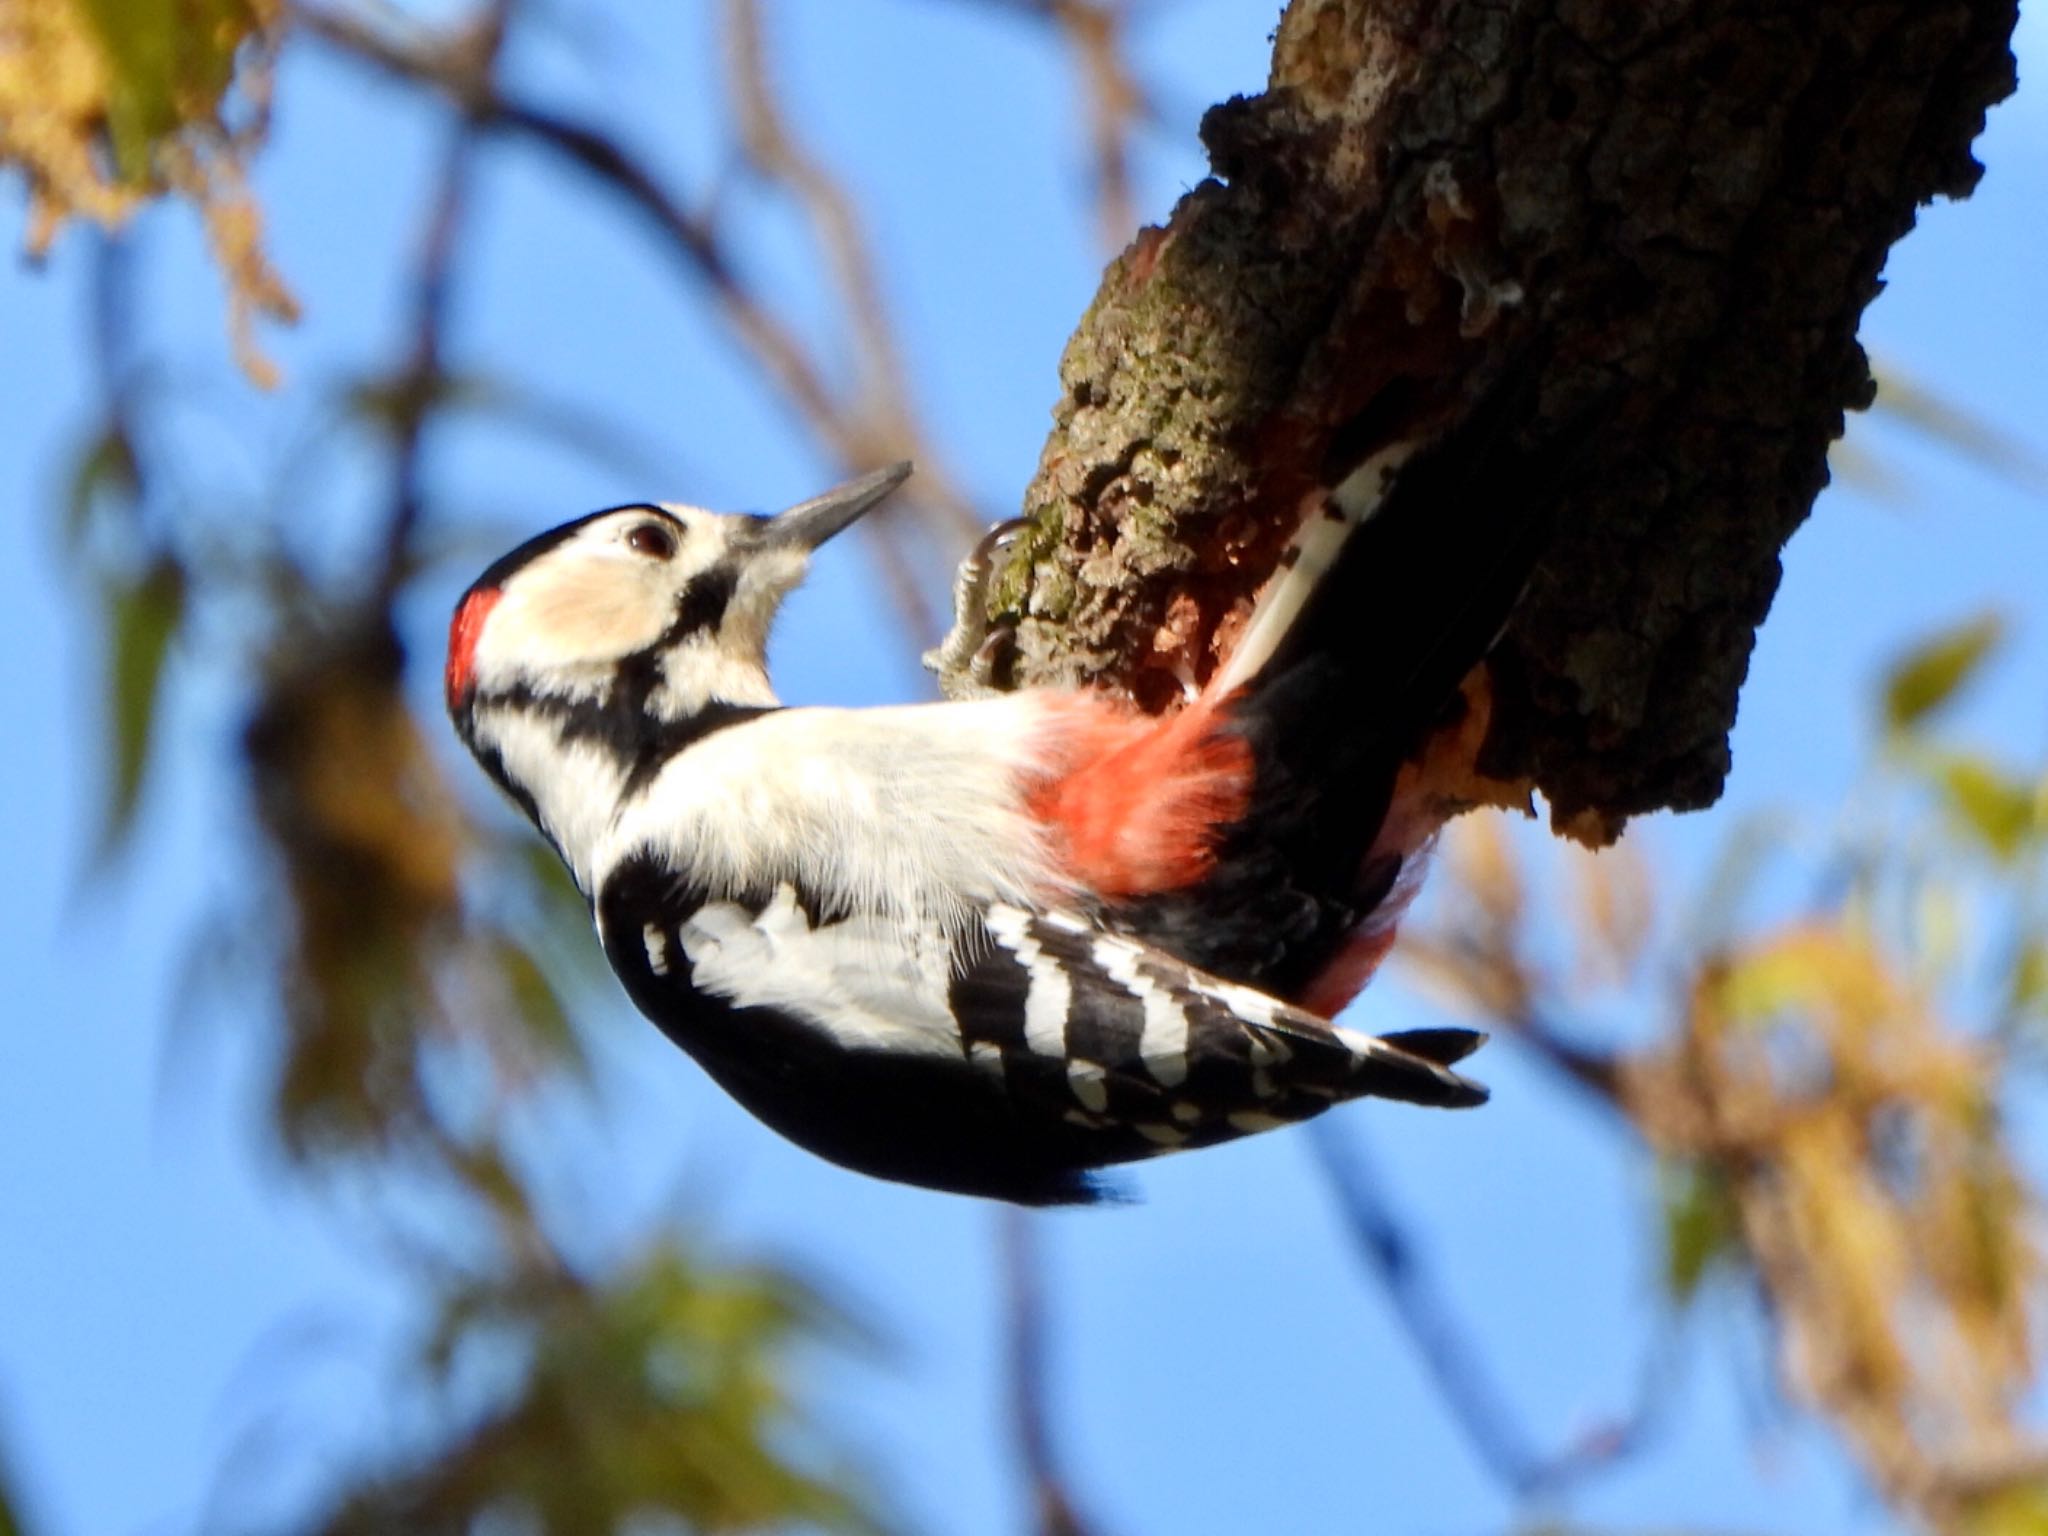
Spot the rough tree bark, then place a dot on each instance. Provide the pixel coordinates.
(1677, 208)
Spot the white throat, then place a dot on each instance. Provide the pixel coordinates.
(575, 785)
(699, 672)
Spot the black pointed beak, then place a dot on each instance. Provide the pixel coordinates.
(810, 523)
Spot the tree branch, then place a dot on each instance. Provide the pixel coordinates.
(1675, 212)
(1503, 1444)
(1031, 1415)
(883, 389)
(418, 386)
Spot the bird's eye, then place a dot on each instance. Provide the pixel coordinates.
(652, 540)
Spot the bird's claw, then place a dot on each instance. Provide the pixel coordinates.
(974, 659)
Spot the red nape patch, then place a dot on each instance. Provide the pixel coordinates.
(463, 634)
(1142, 801)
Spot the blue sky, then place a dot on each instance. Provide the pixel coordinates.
(171, 1304)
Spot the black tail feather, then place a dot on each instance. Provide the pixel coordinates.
(1445, 1047)
(1412, 1078)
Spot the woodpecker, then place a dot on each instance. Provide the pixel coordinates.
(993, 945)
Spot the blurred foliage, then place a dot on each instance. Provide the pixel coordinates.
(366, 835)
(11, 1522)
(656, 1391)
(1879, 1198)
(1701, 1224)
(141, 597)
(425, 968)
(1935, 671)
(143, 618)
(1946, 423)
(2018, 1511)
(1829, 1118)
(168, 63)
(106, 103)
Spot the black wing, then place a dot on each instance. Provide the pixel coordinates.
(1012, 1059)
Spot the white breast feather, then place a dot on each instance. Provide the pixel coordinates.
(913, 814)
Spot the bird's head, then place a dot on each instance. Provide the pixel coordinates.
(653, 611)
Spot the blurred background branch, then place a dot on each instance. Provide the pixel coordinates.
(1827, 1133)
(1097, 35)
(1032, 1409)
(1387, 1246)
(867, 420)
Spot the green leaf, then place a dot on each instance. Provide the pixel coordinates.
(169, 62)
(106, 468)
(1701, 1227)
(2027, 989)
(1936, 670)
(2019, 1511)
(1959, 429)
(142, 620)
(540, 1007)
(11, 1521)
(1997, 810)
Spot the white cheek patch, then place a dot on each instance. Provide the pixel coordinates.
(585, 610)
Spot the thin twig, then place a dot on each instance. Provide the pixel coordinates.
(774, 152)
(1507, 1450)
(1477, 964)
(881, 398)
(1097, 32)
(846, 422)
(420, 383)
(1598, 1072)
(693, 241)
(418, 388)
(1052, 1499)
(1116, 105)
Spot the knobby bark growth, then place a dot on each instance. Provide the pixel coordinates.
(1673, 212)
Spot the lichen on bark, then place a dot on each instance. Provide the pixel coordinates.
(1678, 209)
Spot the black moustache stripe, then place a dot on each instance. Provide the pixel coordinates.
(619, 723)
(701, 607)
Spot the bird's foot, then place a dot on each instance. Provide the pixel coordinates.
(975, 658)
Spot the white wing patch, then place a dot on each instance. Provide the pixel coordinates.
(1251, 1006)
(857, 980)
